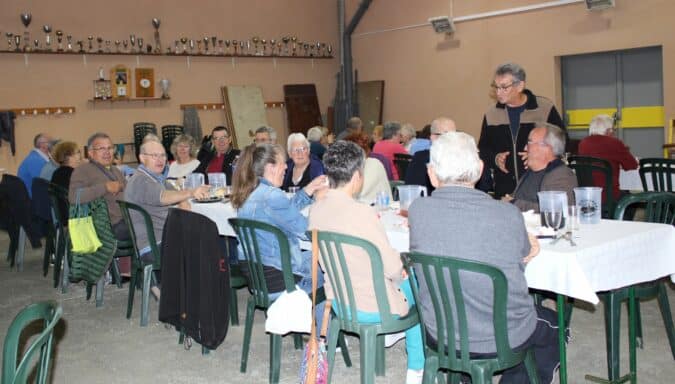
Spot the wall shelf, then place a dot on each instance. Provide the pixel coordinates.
(144, 100)
(193, 54)
(35, 111)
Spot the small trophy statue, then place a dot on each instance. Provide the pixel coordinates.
(59, 40)
(158, 46)
(164, 86)
(26, 19)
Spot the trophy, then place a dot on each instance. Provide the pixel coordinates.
(255, 40)
(214, 40)
(184, 41)
(91, 39)
(117, 46)
(264, 44)
(158, 45)
(294, 39)
(329, 48)
(248, 47)
(206, 45)
(164, 86)
(286, 39)
(235, 44)
(125, 44)
(175, 47)
(99, 40)
(69, 45)
(59, 40)
(221, 51)
(191, 44)
(107, 46)
(272, 45)
(9, 36)
(132, 41)
(17, 42)
(48, 38)
(227, 47)
(26, 19)
(80, 45)
(199, 46)
(36, 42)
(139, 40)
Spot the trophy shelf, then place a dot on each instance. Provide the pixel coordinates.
(144, 100)
(229, 55)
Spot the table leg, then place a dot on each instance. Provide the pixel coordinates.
(562, 339)
(21, 250)
(632, 340)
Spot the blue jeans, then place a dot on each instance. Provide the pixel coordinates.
(306, 285)
(413, 335)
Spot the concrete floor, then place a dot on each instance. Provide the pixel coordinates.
(99, 345)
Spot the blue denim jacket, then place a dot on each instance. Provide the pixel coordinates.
(270, 204)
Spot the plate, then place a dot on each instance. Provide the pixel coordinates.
(214, 199)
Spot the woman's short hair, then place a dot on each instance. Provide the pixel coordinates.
(341, 160)
(454, 159)
(63, 150)
(391, 128)
(294, 138)
(315, 133)
(600, 124)
(361, 139)
(183, 139)
(408, 130)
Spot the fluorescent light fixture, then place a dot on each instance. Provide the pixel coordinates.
(596, 5)
(442, 24)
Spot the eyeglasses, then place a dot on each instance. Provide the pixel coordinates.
(437, 133)
(220, 138)
(299, 150)
(103, 149)
(503, 88)
(530, 142)
(156, 156)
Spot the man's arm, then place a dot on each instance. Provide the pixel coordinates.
(169, 197)
(81, 181)
(487, 154)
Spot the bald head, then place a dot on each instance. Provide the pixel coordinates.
(440, 126)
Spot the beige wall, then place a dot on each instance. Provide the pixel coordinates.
(427, 76)
(58, 80)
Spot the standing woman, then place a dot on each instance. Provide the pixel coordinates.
(303, 167)
(183, 150)
(256, 195)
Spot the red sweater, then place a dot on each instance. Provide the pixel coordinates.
(388, 148)
(611, 149)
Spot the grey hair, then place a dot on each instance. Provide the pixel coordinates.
(354, 123)
(295, 137)
(150, 137)
(555, 137)
(183, 139)
(408, 130)
(512, 69)
(147, 143)
(600, 124)
(269, 130)
(36, 139)
(390, 129)
(315, 133)
(454, 159)
(96, 136)
(442, 125)
(341, 161)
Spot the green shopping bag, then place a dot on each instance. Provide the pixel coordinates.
(83, 238)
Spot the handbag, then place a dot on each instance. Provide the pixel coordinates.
(81, 229)
(314, 368)
(290, 312)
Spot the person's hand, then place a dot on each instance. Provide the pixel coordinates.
(534, 248)
(201, 192)
(185, 205)
(507, 198)
(319, 183)
(114, 187)
(500, 160)
(523, 157)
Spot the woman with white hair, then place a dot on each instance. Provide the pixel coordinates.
(315, 137)
(602, 144)
(302, 166)
(469, 224)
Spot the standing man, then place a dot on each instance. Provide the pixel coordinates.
(417, 170)
(506, 126)
(100, 178)
(31, 166)
(219, 156)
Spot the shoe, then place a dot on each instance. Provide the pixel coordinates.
(414, 376)
(393, 338)
(155, 291)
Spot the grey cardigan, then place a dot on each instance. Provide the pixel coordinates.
(466, 223)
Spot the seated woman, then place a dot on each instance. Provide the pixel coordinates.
(374, 175)
(338, 211)
(183, 150)
(302, 167)
(68, 156)
(256, 195)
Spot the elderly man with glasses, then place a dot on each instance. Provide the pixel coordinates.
(218, 155)
(100, 178)
(546, 171)
(507, 124)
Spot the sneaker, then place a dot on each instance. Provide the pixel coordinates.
(155, 291)
(393, 338)
(414, 376)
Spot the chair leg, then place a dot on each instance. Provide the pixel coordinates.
(531, 367)
(132, 290)
(115, 270)
(345, 352)
(100, 284)
(250, 310)
(662, 297)
(430, 369)
(89, 290)
(58, 256)
(333, 332)
(66, 271)
(234, 307)
(145, 298)
(379, 356)
(297, 341)
(639, 340)
(275, 358)
(368, 348)
(612, 327)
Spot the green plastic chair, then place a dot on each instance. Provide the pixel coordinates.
(585, 167)
(660, 171)
(394, 184)
(659, 208)
(332, 255)
(138, 265)
(401, 162)
(237, 281)
(50, 313)
(450, 313)
(59, 200)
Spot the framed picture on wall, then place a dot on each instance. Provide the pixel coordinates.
(145, 82)
(121, 81)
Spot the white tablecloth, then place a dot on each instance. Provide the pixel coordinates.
(608, 255)
(218, 212)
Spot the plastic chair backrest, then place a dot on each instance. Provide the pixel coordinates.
(40, 202)
(334, 264)
(589, 168)
(659, 206)
(439, 278)
(50, 313)
(402, 161)
(140, 130)
(169, 132)
(59, 199)
(126, 208)
(247, 231)
(660, 171)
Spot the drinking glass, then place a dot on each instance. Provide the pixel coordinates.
(572, 219)
(293, 190)
(193, 180)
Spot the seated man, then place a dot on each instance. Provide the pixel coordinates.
(469, 224)
(31, 166)
(417, 170)
(265, 135)
(219, 156)
(100, 178)
(546, 172)
(602, 144)
(148, 188)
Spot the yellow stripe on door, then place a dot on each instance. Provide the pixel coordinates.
(631, 117)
